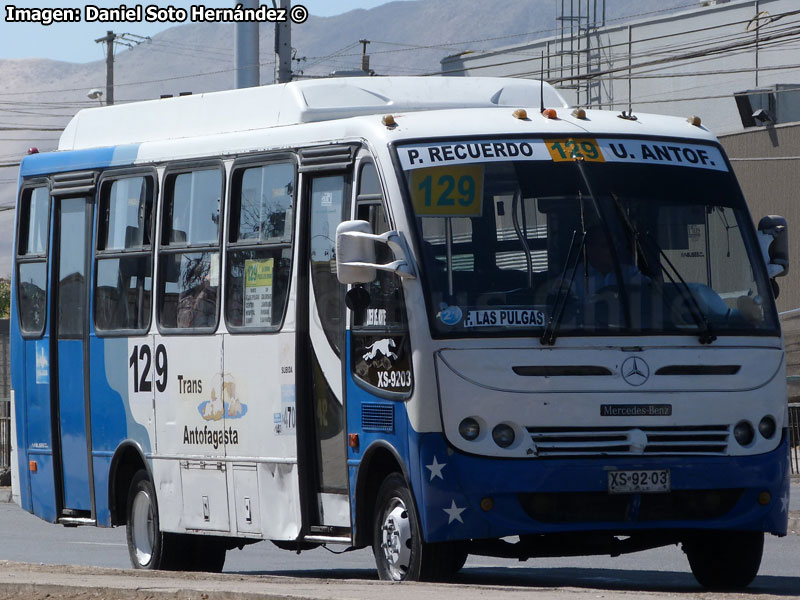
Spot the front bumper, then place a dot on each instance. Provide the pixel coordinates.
(536, 496)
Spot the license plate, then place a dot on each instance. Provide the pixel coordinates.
(649, 481)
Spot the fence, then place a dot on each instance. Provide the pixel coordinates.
(794, 438)
(5, 403)
(5, 433)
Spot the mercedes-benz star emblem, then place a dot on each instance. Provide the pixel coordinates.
(635, 371)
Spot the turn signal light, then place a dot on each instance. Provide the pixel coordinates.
(744, 433)
(32, 466)
(469, 429)
(764, 498)
(352, 440)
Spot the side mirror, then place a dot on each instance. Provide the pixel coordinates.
(355, 253)
(773, 237)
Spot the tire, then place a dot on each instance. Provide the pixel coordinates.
(151, 548)
(400, 553)
(725, 560)
(202, 553)
(148, 546)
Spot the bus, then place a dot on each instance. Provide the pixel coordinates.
(432, 316)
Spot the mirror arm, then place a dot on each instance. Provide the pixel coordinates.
(400, 267)
(398, 245)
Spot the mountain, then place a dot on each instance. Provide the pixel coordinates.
(406, 38)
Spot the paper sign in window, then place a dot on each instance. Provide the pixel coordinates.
(258, 292)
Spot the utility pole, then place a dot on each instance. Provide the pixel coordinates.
(283, 45)
(109, 41)
(246, 51)
(364, 56)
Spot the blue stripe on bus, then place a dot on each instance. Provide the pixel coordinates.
(76, 160)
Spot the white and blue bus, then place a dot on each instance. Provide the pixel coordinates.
(421, 315)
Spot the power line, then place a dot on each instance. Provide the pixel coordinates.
(648, 52)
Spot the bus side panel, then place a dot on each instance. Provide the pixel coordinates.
(190, 421)
(259, 401)
(38, 434)
(43, 495)
(114, 419)
(20, 387)
(375, 420)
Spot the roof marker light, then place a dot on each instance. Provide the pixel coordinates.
(520, 114)
(694, 120)
(579, 113)
(389, 121)
(33, 150)
(550, 113)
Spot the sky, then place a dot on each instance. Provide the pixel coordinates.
(74, 42)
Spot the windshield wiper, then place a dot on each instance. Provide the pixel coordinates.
(623, 293)
(549, 335)
(706, 334)
(522, 236)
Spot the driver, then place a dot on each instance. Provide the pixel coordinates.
(600, 273)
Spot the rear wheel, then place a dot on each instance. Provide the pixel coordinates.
(400, 553)
(725, 560)
(151, 548)
(148, 546)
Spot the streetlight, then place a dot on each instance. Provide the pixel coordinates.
(95, 94)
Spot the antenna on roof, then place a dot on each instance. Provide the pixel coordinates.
(541, 86)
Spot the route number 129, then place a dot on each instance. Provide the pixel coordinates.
(454, 191)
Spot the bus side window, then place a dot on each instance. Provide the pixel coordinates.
(259, 248)
(381, 355)
(32, 260)
(123, 284)
(189, 266)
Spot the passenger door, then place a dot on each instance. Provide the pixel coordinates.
(321, 352)
(72, 227)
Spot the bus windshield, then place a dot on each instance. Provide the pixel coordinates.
(587, 237)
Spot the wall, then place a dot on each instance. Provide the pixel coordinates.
(716, 44)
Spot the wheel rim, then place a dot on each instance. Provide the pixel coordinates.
(144, 528)
(396, 539)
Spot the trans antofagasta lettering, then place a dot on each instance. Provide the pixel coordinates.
(210, 437)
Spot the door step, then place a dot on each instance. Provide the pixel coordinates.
(76, 521)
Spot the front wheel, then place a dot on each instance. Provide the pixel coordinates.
(725, 560)
(400, 553)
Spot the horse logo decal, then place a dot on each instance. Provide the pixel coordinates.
(383, 346)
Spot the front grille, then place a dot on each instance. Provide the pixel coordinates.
(581, 507)
(630, 441)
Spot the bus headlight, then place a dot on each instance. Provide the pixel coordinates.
(743, 432)
(503, 435)
(766, 427)
(469, 429)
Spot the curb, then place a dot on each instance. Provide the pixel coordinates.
(5, 494)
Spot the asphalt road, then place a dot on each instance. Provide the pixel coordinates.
(24, 538)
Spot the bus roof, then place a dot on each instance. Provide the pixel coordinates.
(293, 103)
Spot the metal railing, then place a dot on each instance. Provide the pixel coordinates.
(794, 438)
(5, 433)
